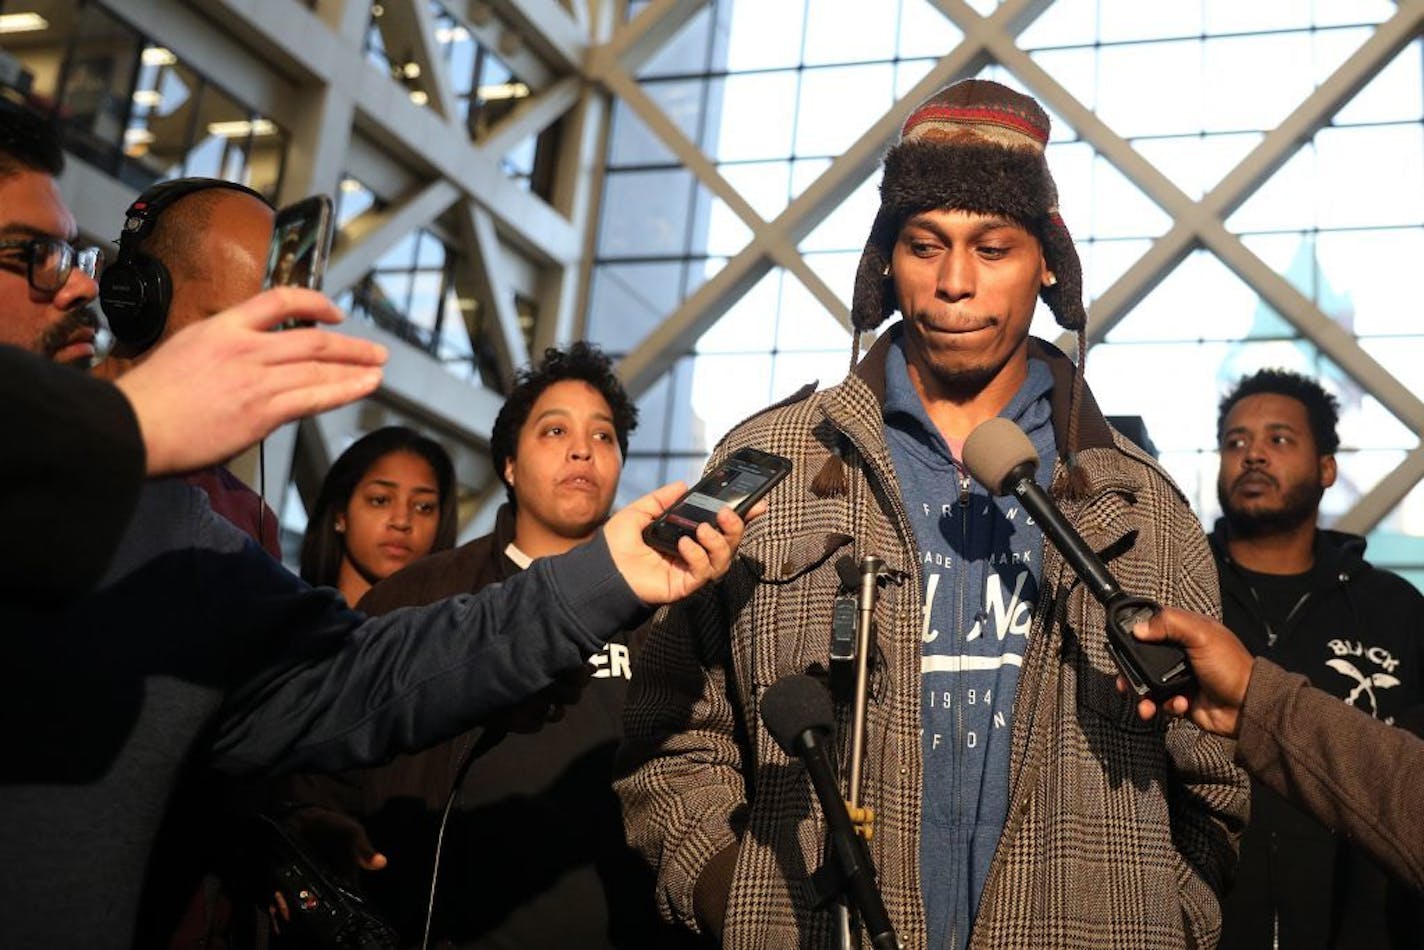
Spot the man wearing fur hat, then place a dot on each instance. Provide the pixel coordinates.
(1018, 801)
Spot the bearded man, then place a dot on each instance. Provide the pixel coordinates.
(1305, 598)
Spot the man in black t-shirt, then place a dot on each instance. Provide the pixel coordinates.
(1305, 598)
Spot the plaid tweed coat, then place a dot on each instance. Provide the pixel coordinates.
(1119, 833)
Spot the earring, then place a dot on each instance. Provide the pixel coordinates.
(886, 273)
(340, 528)
(1052, 280)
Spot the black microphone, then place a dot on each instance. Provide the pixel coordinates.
(797, 713)
(1002, 459)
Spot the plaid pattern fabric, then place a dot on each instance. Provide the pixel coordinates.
(1119, 833)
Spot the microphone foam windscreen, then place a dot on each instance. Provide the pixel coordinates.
(994, 449)
(792, 705)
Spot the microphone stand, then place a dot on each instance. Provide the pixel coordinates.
(870, 571)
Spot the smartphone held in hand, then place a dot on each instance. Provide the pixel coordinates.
(301, 242)
(740, 481)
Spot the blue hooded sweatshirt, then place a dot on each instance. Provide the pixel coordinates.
(980, 557)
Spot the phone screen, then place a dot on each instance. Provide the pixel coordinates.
(731, 484)
(301, 236)
(740, 482)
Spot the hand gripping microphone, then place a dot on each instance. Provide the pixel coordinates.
(1002, 459)
(797, 713)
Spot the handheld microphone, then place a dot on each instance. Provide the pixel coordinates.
(1002, 459)
(797, 713)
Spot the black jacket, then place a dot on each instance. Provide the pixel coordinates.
(70, 474)
(1358, 634)
(199, 649)
(534, 853)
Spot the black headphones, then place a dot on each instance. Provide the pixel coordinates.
(135, 289)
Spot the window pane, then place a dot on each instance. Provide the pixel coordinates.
(1368, 269)
(650, 438)
(1370, 176)
(830, 38)
(1075, 70)
(765, 34)
(401, 254)
(40, 53)
(1105, 261)
(795, 370)
(1196, 163)
(750, 325)
(629, 300)
(645, 212)
(1119, 208)
(395, 288)
(431, 253)
(1199, 300)
(716, 228)
(765, 185)
(633, 143)
(688, 427)
(426, 290)
(758, 116)
(804, 326)
(1133, 109)
(1395, 94)
(1179, 409)
(1290, 59)
(717, 406)
(98, 83)
(1064, 23)
(1120, 20)
(924, 31)
(838, 104)
(837, 270)
(845, 228)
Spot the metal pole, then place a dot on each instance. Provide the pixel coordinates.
(870, 569)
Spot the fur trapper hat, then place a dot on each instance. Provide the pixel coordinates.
(974, 146)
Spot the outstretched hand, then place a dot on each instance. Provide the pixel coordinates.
(1221, 664)
(658, 578)
(218, 386)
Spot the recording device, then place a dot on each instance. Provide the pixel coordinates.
(842, 666)
(329, 914)
(301, 242)
(797, 712)
(844, 616)
(1003, 460)
(740, 481)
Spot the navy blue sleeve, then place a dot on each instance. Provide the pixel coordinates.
(319, 686)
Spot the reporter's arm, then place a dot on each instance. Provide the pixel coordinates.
(341, 691)
(323, 696)
(1357, 775)
(1353, 773)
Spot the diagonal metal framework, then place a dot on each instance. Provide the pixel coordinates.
(304, 65)
(1197, 224)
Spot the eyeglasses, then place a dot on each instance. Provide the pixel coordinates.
(49, 261)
